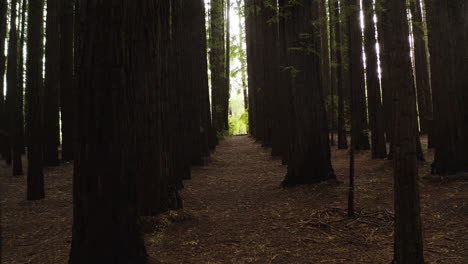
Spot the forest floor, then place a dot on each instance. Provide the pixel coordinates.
(235, 212)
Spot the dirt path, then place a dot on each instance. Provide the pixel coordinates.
(235, 212)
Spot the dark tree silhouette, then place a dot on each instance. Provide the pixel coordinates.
(52, 85)
(113, 40)
(309, 160)
(67, 105)
(448, 44)
(408, 235)
(34, 89)
(219, 93)
(376, 118)
(13, 99)
(4, 148)
(358, 103)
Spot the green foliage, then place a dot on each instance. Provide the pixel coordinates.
(240, 125)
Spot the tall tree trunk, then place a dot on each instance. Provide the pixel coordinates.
(228, 59)
(22, 26)
(34, 89)
(423, 84)
(358, 104)
(448, 44)
(13, 104)
(67, 105)
(4, 148)
(114, 39)
(408, 238)
(338, 47)
(309, 160)
(376, 118)
(325, 66)
(52, 85)
(218, 67)
(242, 58)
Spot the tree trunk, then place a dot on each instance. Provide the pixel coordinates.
(67, 105)
(325, 66)
(13, 103)
(52, 85)
(4, 148)
(21, 76)
(358, 104)
(114, 40)
(448, 44)
(309, 160)
(219, 95)
(408, 238)
(34, 89)
(376, 118)
(423, 84)
(337, 29)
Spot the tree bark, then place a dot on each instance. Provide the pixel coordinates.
(52, 85)
(219, 95)
(13, 103)
(4, 148)
(408, 246)
(117, 38)
(376, 118)
(309, 161)
(358, 104)
(448, 44)
(423, 85)
(67, 104)
(34, 90)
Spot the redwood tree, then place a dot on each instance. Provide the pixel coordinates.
(448, 44)
(117, 38)
(4, 150)
(52, 85)
(13, 98)
(34, 87)
(376, 117)
(309, 160)
(67, 105)
(358, 103)
(408, 246)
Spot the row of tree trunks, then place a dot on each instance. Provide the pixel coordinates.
(286, 94)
